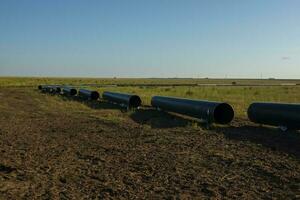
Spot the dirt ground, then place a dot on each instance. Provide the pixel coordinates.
(53, 147)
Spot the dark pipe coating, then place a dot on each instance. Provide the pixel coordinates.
(69, 91)
(276, 114)
(218, 112)
(128, 100)
(88, 94)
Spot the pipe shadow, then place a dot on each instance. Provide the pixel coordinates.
(158, 119)
(146, 115)
(286, 142)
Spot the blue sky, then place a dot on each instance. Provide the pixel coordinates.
(153, 38)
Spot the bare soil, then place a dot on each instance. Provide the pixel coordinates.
(60, 148)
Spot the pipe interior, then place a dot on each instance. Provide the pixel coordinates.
(94, 95)
(223, 113)
(135, 101)
(73, 92)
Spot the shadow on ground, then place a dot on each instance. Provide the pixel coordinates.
(147, 115)
(159, 119)
(287, 142)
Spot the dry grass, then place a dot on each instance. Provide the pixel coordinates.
(19, 81)
(239, 96)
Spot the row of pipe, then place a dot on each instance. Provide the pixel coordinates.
(285, 116)
(126, 100)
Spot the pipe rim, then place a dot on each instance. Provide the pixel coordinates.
(94, 95)
(223, 113)
(73, 92)
(134, 101)
(58, 89)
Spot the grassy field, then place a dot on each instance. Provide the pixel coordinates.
(57, 147)
(239, 95)
(19, 81)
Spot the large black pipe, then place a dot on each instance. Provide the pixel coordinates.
(44, 87)
(276, 114)
(69, 91)
(47, 88)
(50, 88)
(54, 88)
(88, 94)
(218, 112)
(58, 89)
(128, 100)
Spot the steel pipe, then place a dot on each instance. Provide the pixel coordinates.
(50, 88)
(88, 94)
(58, 89)
(286, 116)
(69, 91)
(44, 87)
(128, 100)
(47, 88)
(217, 112)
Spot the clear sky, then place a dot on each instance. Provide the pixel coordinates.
(150, 38)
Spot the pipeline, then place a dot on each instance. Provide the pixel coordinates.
(69, 91)
(44, 88)
(58, 89)
(128, 100)
(55, 88)
(50, 88)
(87, 94)
(285, 116)
(217, 112)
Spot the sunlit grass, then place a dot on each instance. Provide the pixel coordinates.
(27, 81)
(239, 97)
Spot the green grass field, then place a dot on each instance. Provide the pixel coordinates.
(27, 81)
(239, 95)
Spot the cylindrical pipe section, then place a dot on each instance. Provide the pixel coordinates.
(44, 88)
(88, 94)
(128, 100)
(50, 88)
(58, 89)
(217, 112)
(69, 91)
(276, 114)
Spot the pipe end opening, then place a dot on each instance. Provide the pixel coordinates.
(223, 113)
(135, 101)
(94, 95)
(58, 90)
(73, 92)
